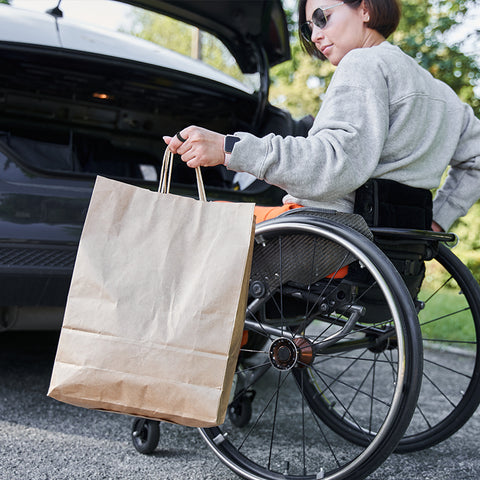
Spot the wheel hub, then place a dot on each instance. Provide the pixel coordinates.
(305, 351)
(283, 354)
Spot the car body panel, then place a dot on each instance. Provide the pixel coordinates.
(39, 29)
(69, 112)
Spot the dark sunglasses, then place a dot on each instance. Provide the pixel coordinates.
(319, 19)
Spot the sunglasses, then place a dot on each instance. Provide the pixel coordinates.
(319, 19)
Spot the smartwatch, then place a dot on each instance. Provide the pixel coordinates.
(229, 143)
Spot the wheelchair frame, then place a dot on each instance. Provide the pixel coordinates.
(357, 375)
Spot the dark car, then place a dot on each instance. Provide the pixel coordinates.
(76, 102)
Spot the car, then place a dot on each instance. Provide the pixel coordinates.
(77, 101)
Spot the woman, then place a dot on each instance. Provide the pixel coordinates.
(383, 116)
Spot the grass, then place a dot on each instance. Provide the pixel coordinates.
(447, 318)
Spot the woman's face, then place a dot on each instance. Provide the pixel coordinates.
(345, 29)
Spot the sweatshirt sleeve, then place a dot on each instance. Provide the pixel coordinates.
(344, 144)
(461, 188)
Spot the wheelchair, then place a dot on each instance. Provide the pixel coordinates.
(350, 354)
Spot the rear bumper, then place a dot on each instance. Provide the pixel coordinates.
(35, 274)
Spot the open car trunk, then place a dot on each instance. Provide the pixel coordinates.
(85, 115)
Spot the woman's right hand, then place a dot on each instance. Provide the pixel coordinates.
(200, 147)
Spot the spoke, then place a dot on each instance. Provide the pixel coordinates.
(309, 287)
(442, 340)
(438, 289)
(243, 350)
(392, 362)
(345, 409)
(348, 385)
(431, 362)
(252, 367)
(359, 390)
(330, 281)
(280, 267)
(347, 368)
(256, 378)
(344, 357)
(466, 309)
(260, 415)
(253, 315)
(275, 410)
(303, 427)
(422, 414)
(317, 338)
(373, 391)
(439, 390)
(327, 442)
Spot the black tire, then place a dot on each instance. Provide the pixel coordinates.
(450, 391)
(286, 438)
(145, 435)
(240, 411)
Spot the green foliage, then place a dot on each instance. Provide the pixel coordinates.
(163, 31)
(468, 230)
(454, 328)
(5, 1)
(421, 34)
(299, 84)
(166, 32)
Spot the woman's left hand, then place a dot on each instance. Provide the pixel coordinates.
(436, 227)
(198, 147)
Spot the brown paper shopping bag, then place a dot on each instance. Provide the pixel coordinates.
(154, 316)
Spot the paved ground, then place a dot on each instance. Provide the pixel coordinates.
(42, 439)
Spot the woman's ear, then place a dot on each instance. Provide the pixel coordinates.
(365, 12)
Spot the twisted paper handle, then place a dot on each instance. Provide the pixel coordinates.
(166, 176)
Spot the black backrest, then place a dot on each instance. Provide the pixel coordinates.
(386, 203)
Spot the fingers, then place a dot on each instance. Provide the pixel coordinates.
(175, 142)
(197, 146)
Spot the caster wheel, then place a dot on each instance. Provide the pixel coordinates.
(145, 435)
(240, 410)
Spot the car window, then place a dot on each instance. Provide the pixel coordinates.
(135, 22)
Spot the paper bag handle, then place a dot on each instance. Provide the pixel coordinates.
(166, 176)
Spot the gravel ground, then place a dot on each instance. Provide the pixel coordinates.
(42, 439)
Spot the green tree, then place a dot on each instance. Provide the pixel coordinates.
(468, 231)
(5, 1)
(423, 33)
(166, 31)
(299, 84)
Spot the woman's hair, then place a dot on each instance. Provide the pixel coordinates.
(384, 18)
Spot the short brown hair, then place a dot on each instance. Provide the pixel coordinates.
(384, 18)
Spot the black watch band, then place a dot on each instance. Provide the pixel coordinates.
(230, 141)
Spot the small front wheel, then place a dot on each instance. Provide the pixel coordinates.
(145, 435)
(240, 410)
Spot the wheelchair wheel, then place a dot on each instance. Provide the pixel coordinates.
(145, 435)
(311, 335)
(450, 323)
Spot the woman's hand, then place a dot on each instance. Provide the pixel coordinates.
(198, 147)
(436, 227)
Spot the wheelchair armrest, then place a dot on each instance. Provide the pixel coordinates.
(412, 234)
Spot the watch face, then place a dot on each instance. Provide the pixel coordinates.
(230, 141)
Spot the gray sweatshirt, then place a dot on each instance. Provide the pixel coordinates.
(383, 116)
